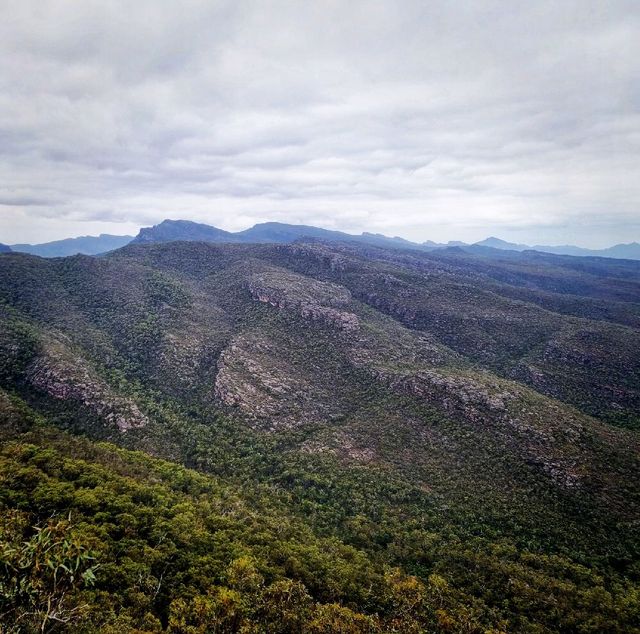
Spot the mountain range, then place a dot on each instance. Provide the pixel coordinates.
(630, 251)
(87, 245)
(290, 430)
(268, 232)
(274, 232)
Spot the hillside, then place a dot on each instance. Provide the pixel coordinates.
(458, 430)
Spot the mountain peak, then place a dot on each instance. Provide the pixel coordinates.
(498, 243)
(172, 230)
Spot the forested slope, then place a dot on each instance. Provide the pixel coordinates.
(426, 440)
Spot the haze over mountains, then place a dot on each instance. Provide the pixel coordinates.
(275, 232)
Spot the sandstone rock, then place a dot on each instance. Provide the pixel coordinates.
(62, 376)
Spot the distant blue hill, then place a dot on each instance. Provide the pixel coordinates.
(267, 232)
(630, 251)
(282, 233)
(88, 245)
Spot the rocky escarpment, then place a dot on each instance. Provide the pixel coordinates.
(409, 362)
(258, 376)
(316, 255)
(317, 301)
(531, 427)
(398, 309)
(66, 377)
(580, 356)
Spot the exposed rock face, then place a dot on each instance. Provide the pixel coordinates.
(67, 378)
(497, 405)
(322, 256)
(314, 300)
(404, 313)
(257, 377)
(455, 393)
(408, 362)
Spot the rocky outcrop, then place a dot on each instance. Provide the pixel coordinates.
(501, 407)
(311, 299)
(259, 378)
(406, 314)
(318, 255)
(65, 377)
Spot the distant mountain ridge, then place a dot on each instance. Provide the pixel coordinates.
(5, 248)
(630, 251)
(183, 230)
(87, 245)
(266, 232)
(282, 233)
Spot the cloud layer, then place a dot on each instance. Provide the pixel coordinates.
(431, 120)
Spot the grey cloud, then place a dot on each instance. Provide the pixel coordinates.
(429, 120)
(23, 201)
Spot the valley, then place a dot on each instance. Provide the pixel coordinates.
(462, 428)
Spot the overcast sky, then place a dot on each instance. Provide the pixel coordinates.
(429, 120)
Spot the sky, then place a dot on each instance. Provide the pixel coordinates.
(428, 119)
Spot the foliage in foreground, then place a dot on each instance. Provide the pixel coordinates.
(150, 546)
(99, 538)
(42, 566)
